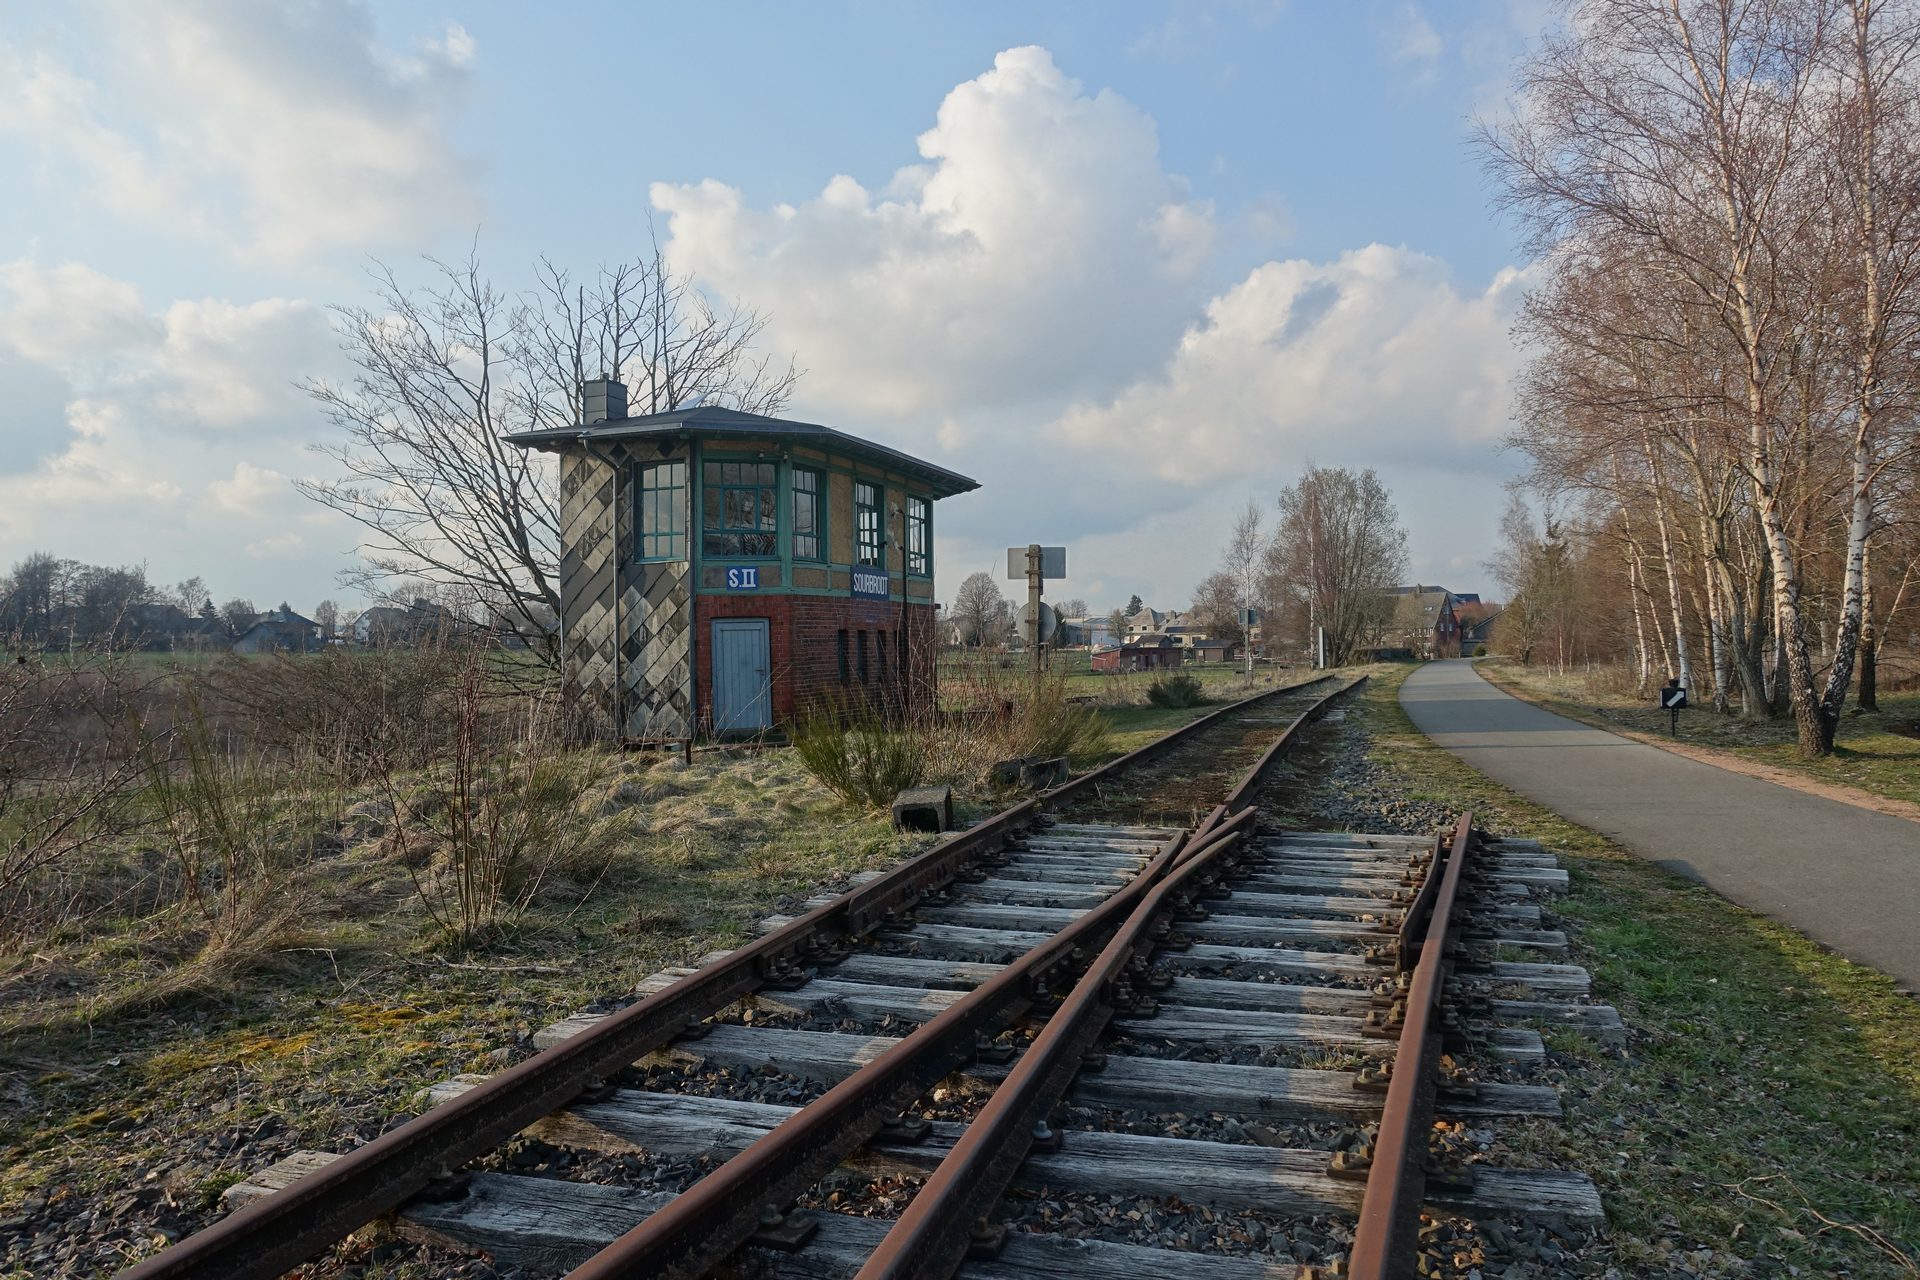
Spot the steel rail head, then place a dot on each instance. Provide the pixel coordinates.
(1242, 794)
(932, 1236)
(280, 1231)
(716, 1215)
(1386, 1239)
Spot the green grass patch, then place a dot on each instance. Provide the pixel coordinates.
(1767, 1110)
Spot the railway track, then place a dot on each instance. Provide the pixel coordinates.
(957, 1066)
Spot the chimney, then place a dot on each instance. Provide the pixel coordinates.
(602, 400)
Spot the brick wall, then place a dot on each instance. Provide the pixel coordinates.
(804, 648)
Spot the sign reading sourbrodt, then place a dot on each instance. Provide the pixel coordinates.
(870, 584)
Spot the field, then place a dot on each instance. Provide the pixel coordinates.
(1875, 751)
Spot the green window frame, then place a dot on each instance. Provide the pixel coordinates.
(660, 510)
(809, 514)
(920, 537)
(740, 510)
(870, 539)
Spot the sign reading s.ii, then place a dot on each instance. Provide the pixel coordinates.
(870, 584)
(743, 577)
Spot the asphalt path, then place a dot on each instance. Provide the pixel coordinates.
(1846, 877)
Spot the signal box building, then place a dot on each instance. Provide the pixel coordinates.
(721, 570)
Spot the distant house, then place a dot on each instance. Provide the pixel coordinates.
(167, 626)
(1152, 651)
(280, 631)
(1476, 622)
(1143, 622)
(417, 625)
(1084, 632)
(1184, 629)
(1424, 624)
(1206, 649)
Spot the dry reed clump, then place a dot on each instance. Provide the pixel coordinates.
(190, 836)
(504, 814)
(1176, 691)
(867, 753)
(71, 773)
(859, 755)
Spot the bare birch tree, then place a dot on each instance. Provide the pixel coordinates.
(446, 369)
(1753, 161)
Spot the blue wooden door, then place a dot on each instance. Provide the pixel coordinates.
(742, 690)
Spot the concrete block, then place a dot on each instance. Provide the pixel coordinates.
(923, 809)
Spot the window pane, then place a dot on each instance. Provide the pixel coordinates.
(767, 473)
(710, 508)
(769, 509)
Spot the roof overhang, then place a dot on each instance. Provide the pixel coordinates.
(942, 482)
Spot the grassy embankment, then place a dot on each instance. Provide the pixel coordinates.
(338, 1028)
(137, 1053)
(1766, 1115)
(1875, 751)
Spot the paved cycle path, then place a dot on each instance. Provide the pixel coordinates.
(1848, 878)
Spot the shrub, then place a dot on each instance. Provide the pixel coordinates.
(857, 755)
(1480, 651)
(506, 811)
(1175, 691)
(1046, 725)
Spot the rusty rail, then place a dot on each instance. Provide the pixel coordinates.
(282, 1230)
(933, 1236)
(698, 1228)
(1386, 1241)
(935, 1232)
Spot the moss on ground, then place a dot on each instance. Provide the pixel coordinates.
(1766, 1118)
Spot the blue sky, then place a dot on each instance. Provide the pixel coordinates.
(1127, 264)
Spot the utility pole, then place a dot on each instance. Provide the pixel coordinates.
(1034, 569)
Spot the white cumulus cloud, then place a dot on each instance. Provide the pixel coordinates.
(1039, 252)
(172, 432)
(1376, 353)
(288, 127)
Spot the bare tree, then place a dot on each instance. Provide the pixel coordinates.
(1751, 163)
(238, 615)
(1336, 554)
(979, 610)
(445, 370)
(1216, 606)
(327, 614)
